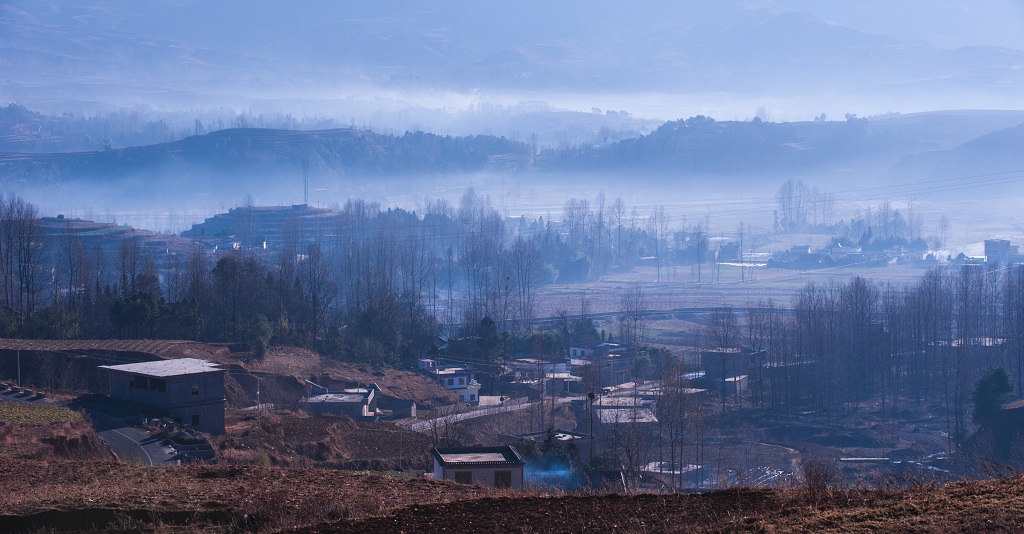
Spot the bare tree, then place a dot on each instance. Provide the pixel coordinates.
(723, 334)
(657, 228)
(526, 272)
(617, 219)
(632, 324)
(319, 288)
(71, 252)
(700, 236)
(576, 215)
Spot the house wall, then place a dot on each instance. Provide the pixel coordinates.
(175, 391)
(481, 475)
(468, 396)
(210, 417)
(180, 397)
(355, 410)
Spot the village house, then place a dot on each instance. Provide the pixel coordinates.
(563, 439)
(188, 390)
(458, 379)
(358, 403)
(626, 409)
(497, 467)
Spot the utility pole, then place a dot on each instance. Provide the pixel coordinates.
(19, 368)
(591, 397)
(540, 370)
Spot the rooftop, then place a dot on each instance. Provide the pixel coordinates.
(626, 415)
(346, 397)
(559, 435)
(477, 456)
(167, 368)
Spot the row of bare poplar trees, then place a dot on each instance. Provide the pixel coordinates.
(848, 346)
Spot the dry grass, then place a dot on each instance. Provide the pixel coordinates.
(990, 506)
(299, 440)
(233, 498)
(20, 412)
(208, 498)
(46, 432)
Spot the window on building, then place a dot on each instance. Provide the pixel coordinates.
(472, 397)
(195, 389)
(195, 420)
(503, 479)
(157, 384)
(462, 381)
(464, 477)
(451, 381)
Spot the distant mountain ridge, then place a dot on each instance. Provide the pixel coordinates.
(959, 141)
(262, 152)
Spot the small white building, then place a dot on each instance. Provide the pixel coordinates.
(358, 403)
(497, 467)
(458, 379)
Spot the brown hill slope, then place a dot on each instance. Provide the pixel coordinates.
(100, 496)
(106, 496)
(987, 506)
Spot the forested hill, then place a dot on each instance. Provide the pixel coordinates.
(701, 145)
(269, 151)
(907, 144)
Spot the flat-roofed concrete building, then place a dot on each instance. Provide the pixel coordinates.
(358, 403)
(497, 467)
(188, 390)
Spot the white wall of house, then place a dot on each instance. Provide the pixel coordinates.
(480, 475)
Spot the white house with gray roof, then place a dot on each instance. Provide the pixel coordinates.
(497, 467)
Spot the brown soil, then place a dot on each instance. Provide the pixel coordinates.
(67, 440)
(977, 506)
(161, 348)
(109, 496)
(300, 440)
(105, 496)
(302, 364)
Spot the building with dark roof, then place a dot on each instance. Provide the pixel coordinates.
(497, 467)
(188, 390)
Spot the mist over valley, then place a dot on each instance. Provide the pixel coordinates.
(546, 266)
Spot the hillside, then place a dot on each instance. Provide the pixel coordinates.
(70, 495)
(44, 432)
(256, 159)
(701, 145)
(73, 495)
(968, 507)
(995, 152)
(248, 154)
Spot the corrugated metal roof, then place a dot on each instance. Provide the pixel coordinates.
(167, 368)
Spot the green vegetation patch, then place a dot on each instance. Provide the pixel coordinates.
(106, 231)
(18, 412)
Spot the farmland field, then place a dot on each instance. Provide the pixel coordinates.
(19, 412)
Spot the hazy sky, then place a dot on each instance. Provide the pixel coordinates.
(784, 59)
